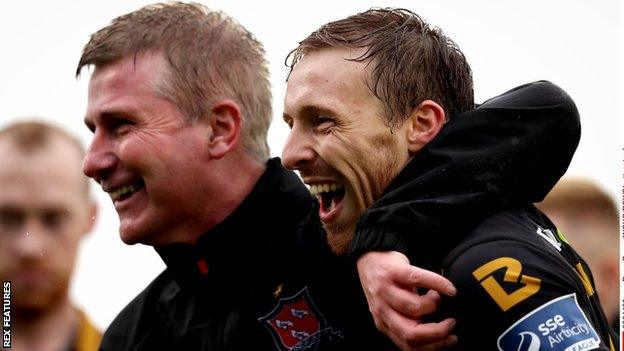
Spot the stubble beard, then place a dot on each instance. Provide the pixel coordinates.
(339, 237)
(33, 306)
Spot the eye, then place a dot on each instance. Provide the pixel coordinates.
(53, 219)
(124, 128)
(323, 123)
(119, 125)
(11, 220)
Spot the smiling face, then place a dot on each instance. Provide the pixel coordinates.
(144, 153)
(339, 140)
(44, 211)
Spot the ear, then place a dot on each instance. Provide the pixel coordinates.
(423, 124)
(225, 125)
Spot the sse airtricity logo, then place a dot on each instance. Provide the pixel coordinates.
(558, 325)
(528, 342)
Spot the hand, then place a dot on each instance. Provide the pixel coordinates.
(389, 283)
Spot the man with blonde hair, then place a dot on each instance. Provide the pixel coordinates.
(385, 131)
(45, 211)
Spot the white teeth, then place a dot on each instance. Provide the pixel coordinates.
(316, 189)
(122, 191)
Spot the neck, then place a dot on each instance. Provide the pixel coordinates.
(228, 182)
(235, 184)
(49, 329)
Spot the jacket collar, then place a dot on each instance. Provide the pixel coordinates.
(232, 256)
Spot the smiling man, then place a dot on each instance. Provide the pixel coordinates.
(359, 156)
(144, 154)
(333, 114)
(367, 102)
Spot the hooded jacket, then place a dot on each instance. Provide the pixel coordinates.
(463, 206)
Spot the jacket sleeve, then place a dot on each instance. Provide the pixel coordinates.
(546, 289)
(510, 150)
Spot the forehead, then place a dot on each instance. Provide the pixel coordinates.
(125, 82)
(330, 78)
(48, 176)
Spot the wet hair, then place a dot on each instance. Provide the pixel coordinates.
(411, 62)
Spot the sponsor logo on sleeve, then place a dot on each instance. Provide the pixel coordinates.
(558, 325)
(528, 285)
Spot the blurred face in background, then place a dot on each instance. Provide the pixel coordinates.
(44, 211)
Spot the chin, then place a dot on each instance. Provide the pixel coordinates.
(339, 240)
(30, 310)
(131, 238)
(34, 303)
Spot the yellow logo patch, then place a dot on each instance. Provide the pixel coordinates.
(513, 268)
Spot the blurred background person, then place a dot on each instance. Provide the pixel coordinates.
(588, 217)
(45, 210)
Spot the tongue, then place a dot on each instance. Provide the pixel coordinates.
(329, 201)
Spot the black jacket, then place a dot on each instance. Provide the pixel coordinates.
(463, 206)
(263, 279)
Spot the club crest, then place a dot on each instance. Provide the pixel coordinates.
(296, 324)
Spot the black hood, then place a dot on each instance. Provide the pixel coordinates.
(511, 150)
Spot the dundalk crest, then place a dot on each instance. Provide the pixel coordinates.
(296, 324)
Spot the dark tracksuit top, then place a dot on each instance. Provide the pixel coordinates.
(520, 284)
(264, 278)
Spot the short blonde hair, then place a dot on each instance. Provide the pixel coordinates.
(210, 55)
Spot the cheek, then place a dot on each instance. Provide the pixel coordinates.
(132, 151)
(338, 150)
(6, 257)
(63, 252)
(144, 154)
(375, 160)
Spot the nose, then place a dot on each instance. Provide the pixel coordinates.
(31, 240)
(298, 150)
(99, 160)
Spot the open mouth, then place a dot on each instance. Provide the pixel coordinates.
(126, 191)
(329, 195)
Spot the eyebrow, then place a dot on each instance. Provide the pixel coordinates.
(311, 109)
(108, 115)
